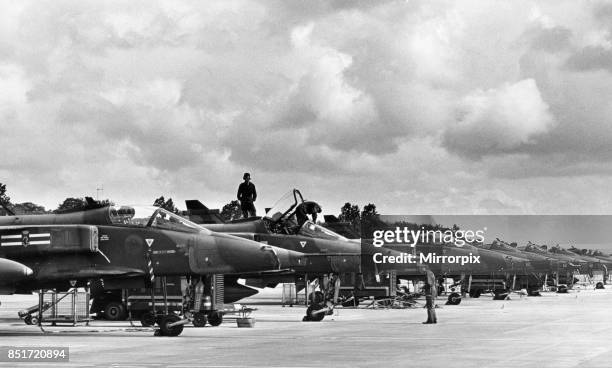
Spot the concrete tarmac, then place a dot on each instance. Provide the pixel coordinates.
(554, 330)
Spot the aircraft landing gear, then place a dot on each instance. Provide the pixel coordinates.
(171, 325)
(147, 319)
(322, 302)
(199, 319)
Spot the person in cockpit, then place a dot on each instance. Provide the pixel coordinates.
(307, 208)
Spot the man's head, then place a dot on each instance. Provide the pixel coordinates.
(246, 177)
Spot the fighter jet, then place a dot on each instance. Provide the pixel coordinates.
(593, 263)
(494, 271)
(122, 242)
(328, 254)
(566, 265)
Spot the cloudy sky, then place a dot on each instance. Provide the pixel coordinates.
(440, 107)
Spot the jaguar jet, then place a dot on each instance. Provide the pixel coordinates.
(328, 254)
(124, 242)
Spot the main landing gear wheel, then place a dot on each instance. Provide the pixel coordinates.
(147, 319)
(215, 318)
(115, 311)
(199, 319)
(454, 299)
(599, 285)
(475, 293)
(310, 316)
(166, 330)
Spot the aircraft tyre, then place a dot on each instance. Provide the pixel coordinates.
(147, 319)
(475, 293)
(454, 299)
(533, 292)
(28, 319)
(599, 285)
(167, 330)
(114, 311)
(199, 319)
(500, 294)
(351, 303)
(562, 289)
(215, 318)
(310, 317)
(318, 297)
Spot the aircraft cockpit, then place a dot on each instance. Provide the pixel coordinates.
(281, 219)
(285, 206)
(151, 216)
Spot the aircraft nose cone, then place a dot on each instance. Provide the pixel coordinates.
(27, 271)
(222, 253)
(13, 271)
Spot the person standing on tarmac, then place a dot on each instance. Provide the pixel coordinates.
(247, 196)
(430, 298)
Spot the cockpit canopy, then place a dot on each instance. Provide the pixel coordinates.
(280, 219)
(285, 206)
(151, 216)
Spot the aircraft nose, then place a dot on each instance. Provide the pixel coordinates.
(11, 270)
(222, 253)
(27, 271)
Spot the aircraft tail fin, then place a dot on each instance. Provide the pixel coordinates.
(194, 204)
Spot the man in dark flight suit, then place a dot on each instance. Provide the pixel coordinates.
(247, 195)
(430, 298)
(307, 208)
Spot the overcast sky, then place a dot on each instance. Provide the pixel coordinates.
(433, 107)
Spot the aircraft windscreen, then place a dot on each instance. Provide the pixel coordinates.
(169, 221)
(317, 231)
(142, 216)
(284, 206)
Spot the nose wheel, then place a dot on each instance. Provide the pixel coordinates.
(322, 302)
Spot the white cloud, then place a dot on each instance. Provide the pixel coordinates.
(385, 102)
(499, 120)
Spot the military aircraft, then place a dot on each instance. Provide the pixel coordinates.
(492, 267)
(542, 265)
(60, 251)
(329, 255)
(593, 263)
(566, 265)
(493, 272)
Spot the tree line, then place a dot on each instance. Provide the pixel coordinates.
(358, 222)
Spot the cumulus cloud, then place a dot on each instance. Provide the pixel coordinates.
(499, 120)
(407, 104)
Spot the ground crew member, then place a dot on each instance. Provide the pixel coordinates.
(307, 208)
(430, 298)
(247, 196)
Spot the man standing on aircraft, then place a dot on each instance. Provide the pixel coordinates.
(247, 195)
(307, 208)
